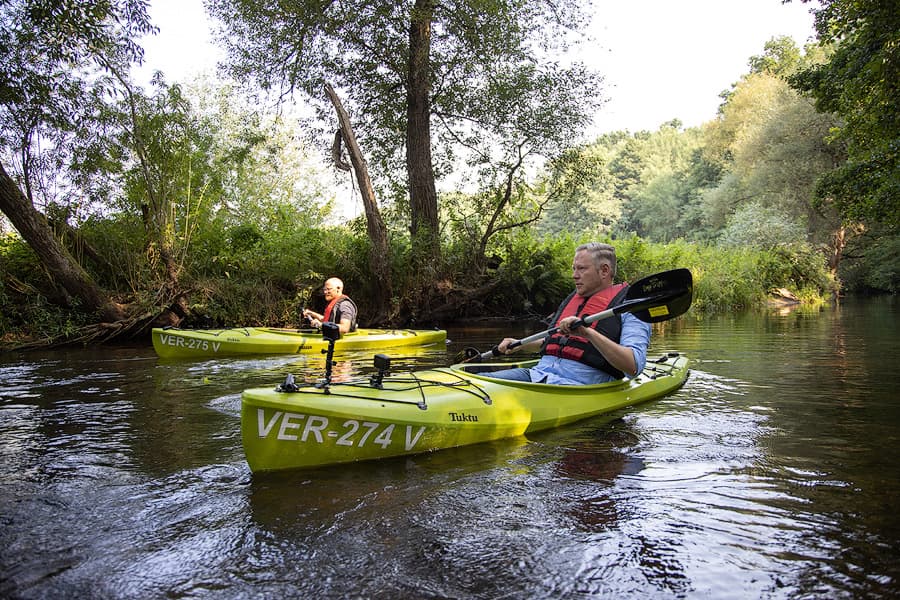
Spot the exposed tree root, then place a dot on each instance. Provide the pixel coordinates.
(129, 328)
(96, 333)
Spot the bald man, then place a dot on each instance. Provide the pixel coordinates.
(340, 308)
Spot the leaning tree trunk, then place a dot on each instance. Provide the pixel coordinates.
(424, 224)
(379, 255)
(61, 266)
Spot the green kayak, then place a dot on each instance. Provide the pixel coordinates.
(199, 343)
(312, 425)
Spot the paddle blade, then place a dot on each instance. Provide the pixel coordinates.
(659, 297)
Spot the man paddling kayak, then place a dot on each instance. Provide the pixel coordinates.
(605, 350)
(340, 308)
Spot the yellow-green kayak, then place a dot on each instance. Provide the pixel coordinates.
(293, 426)
(172, 342)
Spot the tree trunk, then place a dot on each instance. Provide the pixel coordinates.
(155, 213)
(424, 225)
(62, 268)
(491, 228)
(840, 238)
(379, 258)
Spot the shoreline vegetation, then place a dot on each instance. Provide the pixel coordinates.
(528, 278)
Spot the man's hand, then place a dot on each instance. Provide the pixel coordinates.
(504, 345)
(567, 326)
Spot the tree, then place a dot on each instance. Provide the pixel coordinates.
(771, 142)
(861, 84)
(755, 225)
(655, 203)
(56, 60)
(780, 57)
(231, 180)
(513, 203)
(404, 67)
(82, 291)
(153, 139)
(526, 119)
(595, 210)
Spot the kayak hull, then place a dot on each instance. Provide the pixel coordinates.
(424, 411)
(205, 343)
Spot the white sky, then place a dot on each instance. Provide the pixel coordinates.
(662, 59)
(666, 59)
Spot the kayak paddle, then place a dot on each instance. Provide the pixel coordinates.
(652, 299)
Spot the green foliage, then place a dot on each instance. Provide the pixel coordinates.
(245, 301)
(647, 183)
(430, 86)
(637, 257)
(797, 267)
(761, 227)
(859, 83)
(770, 143)
(536, 271)
(24, 290)
(244, 205)
(781, 57)
(866, 188)
(534, 275)
(362, 47)
(872, 263)
(55, 60)
(17, 257)
(118, 238)
(268, 276)
(590, 206)
(60, 65)
(476, 219)
(727, 279)
(730, 281)
(35, 317)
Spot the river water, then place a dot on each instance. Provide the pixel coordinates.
(773, 473)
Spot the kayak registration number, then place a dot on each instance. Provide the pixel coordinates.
(296, 427)
(189, 343)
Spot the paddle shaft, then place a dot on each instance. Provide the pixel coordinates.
(609, 312)
(636, 304)
(495, 351)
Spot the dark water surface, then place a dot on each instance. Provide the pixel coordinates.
(773, 473)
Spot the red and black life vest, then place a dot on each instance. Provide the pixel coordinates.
(576, 347)
(333, 306)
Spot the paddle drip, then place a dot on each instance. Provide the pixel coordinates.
(332, 333)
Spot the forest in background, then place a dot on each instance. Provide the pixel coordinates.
(209, 203)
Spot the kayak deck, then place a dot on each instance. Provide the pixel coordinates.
(385, 415)
(194, 343)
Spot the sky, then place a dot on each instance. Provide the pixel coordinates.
(661, 59)
(666, 59)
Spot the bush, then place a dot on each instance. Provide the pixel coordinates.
(872, 264)
(24, 290)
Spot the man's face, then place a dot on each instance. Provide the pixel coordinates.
(331, 291)
(588, 278)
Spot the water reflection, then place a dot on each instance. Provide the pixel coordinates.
(597, 458)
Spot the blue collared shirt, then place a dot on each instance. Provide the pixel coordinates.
(553, 369)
